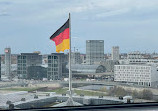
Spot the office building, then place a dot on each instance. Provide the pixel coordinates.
(75, 58)
(137, 58)
(36, 72)
(135, 55)
(8, 62)
(26, 60)
(56, 63)
(115, 53)
(83, 58)
(146, 75)
(0, 68)
(94, 51)
(138, 61)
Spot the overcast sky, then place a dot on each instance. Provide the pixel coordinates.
(26, 25)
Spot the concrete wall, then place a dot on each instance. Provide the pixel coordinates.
(46, 101)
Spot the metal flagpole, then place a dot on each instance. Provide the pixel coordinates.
(70, 75)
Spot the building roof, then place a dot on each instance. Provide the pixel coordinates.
(57, 54)
(29, 53)
(82, 68)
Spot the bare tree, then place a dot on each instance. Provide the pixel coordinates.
(118, 91)
(147, 94)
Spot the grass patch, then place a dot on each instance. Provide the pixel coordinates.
(19, 89)
(89, 93)
(78, 92)
(59, 90)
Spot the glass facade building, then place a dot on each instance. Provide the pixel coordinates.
(55, 66)
(94, 51)
(25, 60)
(0, 68)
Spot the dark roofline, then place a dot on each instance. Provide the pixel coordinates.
(57, 53)
(30, 54)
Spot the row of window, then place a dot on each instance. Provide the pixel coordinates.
(132, 80)
(21, 68)
(21, 65)
(133, 72)
(52, 65)
(21, 61)
(52, 69)
(125, 74)
(21, 57)
(52, 57)
(53, 61)
(132, 67)
(129, 77)
(21, 72)
(52, 73)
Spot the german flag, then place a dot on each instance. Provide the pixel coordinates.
(61, 37)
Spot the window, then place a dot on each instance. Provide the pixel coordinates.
(55, 57)
(49, 57)
(56, 61)
(55, 69)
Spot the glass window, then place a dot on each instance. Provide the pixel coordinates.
(55, 57)
(49, 57)
(56, 61)
(55, 69)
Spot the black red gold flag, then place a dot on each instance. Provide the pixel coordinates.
(61, 37)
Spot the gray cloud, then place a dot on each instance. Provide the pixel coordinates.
(114, 21)
(4, 14)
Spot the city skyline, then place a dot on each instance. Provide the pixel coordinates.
(130, 24)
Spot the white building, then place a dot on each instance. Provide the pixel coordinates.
(138, 61)
(146, 75)
(137, 58)
(115, 53)
(135, 55)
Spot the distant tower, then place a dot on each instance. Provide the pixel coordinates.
(94, 51)
(8, 62)
(0, 68)
(76, 59)
(115, 53)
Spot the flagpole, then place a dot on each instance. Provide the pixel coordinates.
(70, 75)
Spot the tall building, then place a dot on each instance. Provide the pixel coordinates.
(55, 66)
(94, 51)
(146, 75)
(0, 68)
(8, 62)
(115, 53)
(75, 58)
(26, 60)
(83, 58)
